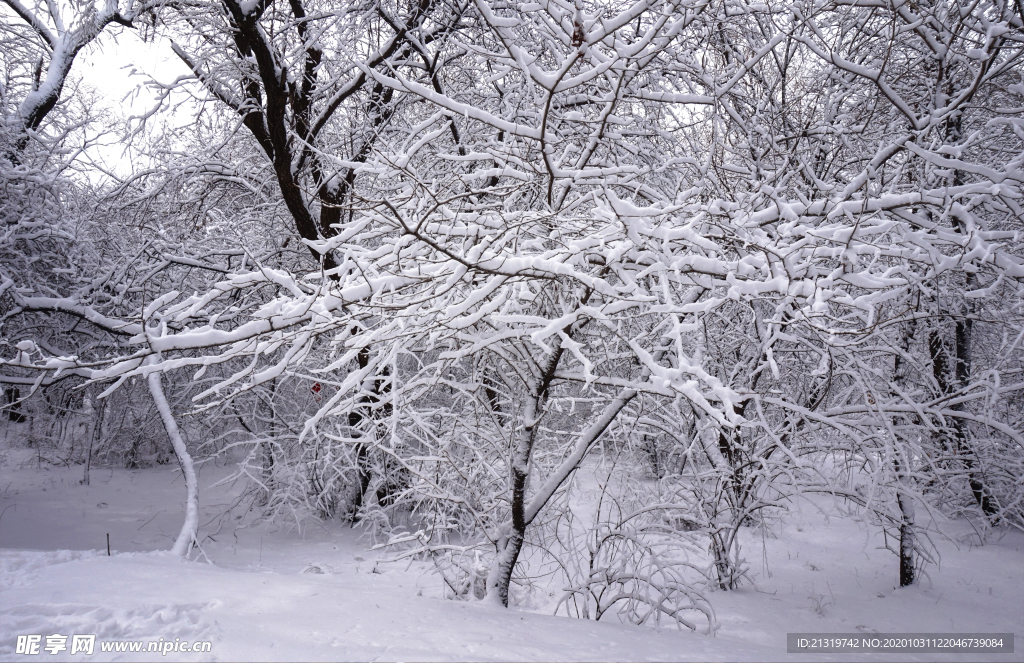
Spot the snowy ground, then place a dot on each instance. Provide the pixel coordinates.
(260, 600)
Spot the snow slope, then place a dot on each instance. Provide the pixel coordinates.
(276, 616)
(262, 598)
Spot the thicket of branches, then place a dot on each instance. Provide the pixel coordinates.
(418, 261)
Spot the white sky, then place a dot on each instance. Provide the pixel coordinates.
(118, 67)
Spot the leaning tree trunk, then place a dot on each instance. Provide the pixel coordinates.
(510, 541)
(512, 534)
(189, 529)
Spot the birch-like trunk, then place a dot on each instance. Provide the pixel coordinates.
(902, 467)
(905, 500)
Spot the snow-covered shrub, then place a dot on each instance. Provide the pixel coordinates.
(619, 552)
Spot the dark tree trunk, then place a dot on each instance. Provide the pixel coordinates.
(12, 398)
(960, 444)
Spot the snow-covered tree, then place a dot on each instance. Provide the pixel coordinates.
(767, 239)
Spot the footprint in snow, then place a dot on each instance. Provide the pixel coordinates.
(318, 568)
